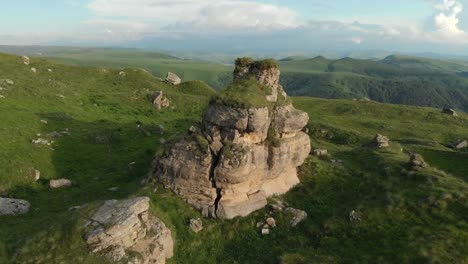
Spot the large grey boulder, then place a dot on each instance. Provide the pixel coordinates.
(119, 228)
(173, 79)
(239, 157)
(10, 206)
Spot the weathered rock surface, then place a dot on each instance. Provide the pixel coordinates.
(380, 141)
(60, 183)
(196, 225)
(120, 227)
(298, 216)
(160, 101)
(417, 162)
(10, 206)
(460, 144)
(320, 152)
(240, 156)
(173, 79)
(449, 111)
(26, 60)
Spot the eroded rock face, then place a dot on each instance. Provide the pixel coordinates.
(240, 156)
(120, 227)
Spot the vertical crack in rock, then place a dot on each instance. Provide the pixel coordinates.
(262, 146)
(214, 163)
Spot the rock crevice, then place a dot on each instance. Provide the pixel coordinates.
(241, 155)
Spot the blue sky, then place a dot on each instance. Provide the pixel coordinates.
(365, 24)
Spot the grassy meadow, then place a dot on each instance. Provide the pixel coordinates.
(406, 216)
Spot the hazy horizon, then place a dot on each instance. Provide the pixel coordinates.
(421, 26)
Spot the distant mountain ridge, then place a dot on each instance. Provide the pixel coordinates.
(395, 79)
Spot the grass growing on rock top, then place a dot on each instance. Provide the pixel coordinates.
(406, 216)
(246, 93)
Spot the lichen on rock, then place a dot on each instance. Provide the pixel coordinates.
(255, 144)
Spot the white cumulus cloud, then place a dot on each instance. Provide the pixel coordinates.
(207, 15)
(446, 20)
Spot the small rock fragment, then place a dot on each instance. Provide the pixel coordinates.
(320, 152)
(196, 225)
(354, 217)
(271, 222)
(299, 216)
(26, 60)
(60, 183)
(34, 70)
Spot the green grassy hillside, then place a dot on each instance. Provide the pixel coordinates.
(407, 216)
(395, 79)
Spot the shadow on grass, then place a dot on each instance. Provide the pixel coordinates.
(104, 160)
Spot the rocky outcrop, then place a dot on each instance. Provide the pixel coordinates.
(380, 141)
(417, 162)
(173, 79)
(121, 227)
(240, 156)
(10, 206)
(160, 101)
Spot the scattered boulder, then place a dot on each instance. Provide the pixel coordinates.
(364, 99)
(26, 60)
(6, 82)
(265, 230)
(460, 144)
(41, 141)
(37, 175)
(2, 96)
(298, 216)
(122, 73)
(44, 122)
(320, 152)
(196, 225)
(173, 79)
(380, 141)
(449, 111)
(271, 222)
(160, 101)
(60, 183)
(34, 70)
(417, 162)
(355, 217)
(241, 156)
(119, 229)
(49, 70)
(10, 206)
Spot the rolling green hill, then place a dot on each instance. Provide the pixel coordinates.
(406, 216)
(395, 79)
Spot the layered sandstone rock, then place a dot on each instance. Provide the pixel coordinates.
(121, 227)
(240, 156)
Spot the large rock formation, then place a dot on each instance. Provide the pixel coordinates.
(119, 228)
(240, 155)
